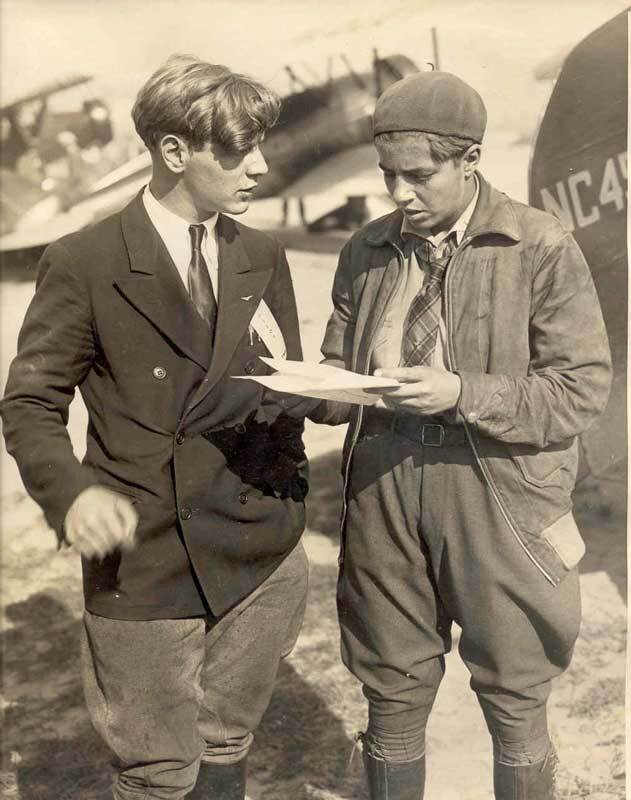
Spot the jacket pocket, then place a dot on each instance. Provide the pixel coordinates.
(544, 467)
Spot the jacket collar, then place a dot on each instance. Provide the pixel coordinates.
(148, 254)
(153, 286)
(493, 214)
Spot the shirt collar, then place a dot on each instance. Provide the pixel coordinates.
(168, 224)
(459, 227)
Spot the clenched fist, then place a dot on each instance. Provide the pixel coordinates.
(99, 521)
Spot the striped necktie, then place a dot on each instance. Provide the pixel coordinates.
(420, 330)
(200, 287)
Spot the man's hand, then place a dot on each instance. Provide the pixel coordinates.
(99, 521)
(425, 390)
(294, 405)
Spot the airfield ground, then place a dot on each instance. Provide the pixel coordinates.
(305, 743)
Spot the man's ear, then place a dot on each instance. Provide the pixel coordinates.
(471, 159)
(175, 152)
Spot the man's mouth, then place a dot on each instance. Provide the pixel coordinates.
(410, 212)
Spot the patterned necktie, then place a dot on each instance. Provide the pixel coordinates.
(200, 286)
(420, 330)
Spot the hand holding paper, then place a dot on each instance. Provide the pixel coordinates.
(422, 390)
(321, 381)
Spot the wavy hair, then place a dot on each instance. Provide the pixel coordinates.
(203, 103)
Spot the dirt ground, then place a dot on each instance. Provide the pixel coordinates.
(305, 745)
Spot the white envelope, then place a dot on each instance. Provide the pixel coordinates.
(267, 328)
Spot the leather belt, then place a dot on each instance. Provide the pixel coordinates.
(426, 431)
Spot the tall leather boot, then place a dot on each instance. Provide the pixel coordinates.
(388, 780)
(220, 782)
(530, 782)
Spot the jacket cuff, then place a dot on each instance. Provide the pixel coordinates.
(482, 398)
(328, 412)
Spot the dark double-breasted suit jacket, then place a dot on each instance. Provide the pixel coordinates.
(217, 476)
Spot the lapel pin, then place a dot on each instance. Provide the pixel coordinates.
(247, 297)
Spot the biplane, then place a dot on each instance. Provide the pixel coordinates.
(323, 138)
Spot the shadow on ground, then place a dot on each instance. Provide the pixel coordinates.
(50, 745)
(305, 747)
(53, 753)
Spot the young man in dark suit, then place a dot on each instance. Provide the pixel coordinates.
(189, 504)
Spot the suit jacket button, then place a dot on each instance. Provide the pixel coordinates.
(186, 513)
(159, 373)
(243, 498)
(180, 437)
(250, 367)
(239, 427)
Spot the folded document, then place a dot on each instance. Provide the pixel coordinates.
(321, 381)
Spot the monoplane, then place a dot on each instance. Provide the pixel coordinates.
(578, 172)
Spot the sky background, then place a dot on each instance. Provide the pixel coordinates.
(494, 45)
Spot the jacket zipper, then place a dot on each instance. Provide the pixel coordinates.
(358, 423)
(451, 362)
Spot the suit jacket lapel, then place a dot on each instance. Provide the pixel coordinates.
(155, 289)
(241, 287)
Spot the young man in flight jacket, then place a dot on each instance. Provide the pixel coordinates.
(458, 482)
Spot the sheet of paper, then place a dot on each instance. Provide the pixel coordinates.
(321, 381)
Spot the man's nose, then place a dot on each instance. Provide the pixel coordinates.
(401, 191)
(257, 165)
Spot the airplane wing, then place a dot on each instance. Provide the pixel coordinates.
(348, 173)
(44, 222)
(46, 232)
(45, 90)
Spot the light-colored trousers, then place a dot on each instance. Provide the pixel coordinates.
(167, 694)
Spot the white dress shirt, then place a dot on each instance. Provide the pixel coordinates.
(173, 231)
(387, 351)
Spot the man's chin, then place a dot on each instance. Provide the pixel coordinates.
(238, 207)
(420, 222)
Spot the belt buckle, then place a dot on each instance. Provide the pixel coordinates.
(432, 435)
